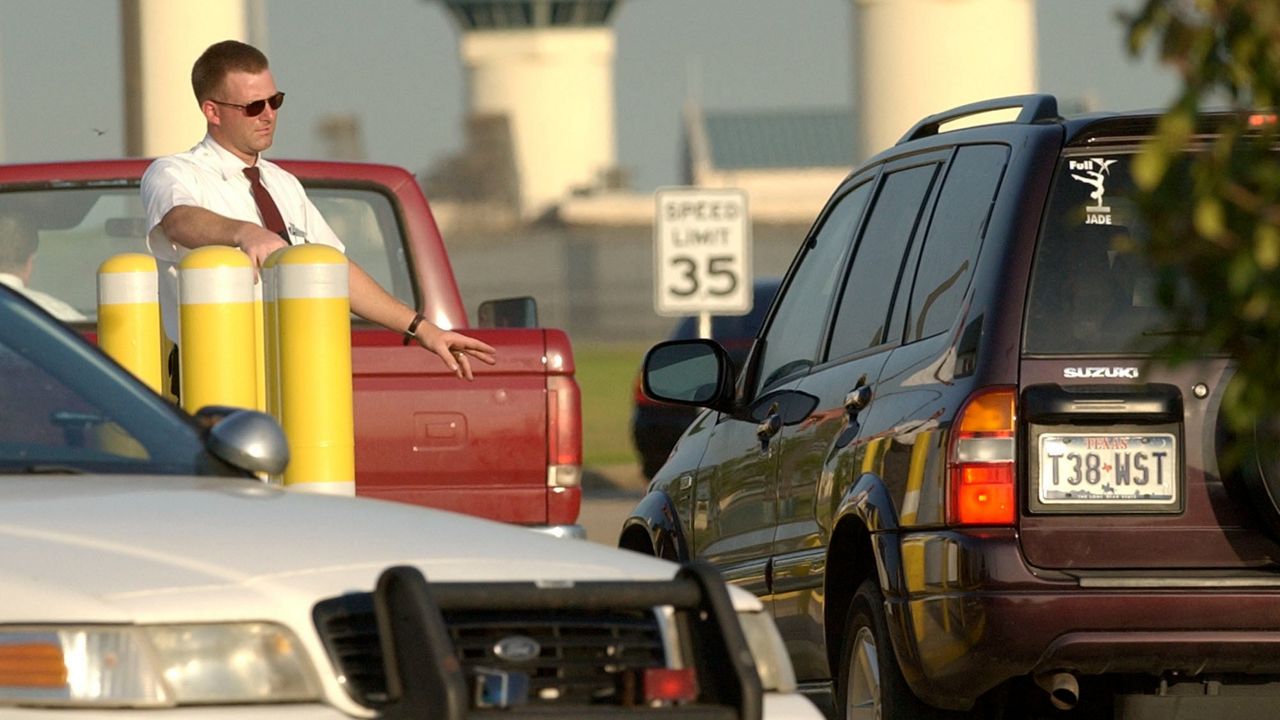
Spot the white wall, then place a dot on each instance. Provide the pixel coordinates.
(162, 40)
(2, 158)
(913, 58)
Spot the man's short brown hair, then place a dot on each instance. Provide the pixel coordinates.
(221, 59)
(17, 243)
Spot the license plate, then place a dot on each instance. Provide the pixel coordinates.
(1108, 470)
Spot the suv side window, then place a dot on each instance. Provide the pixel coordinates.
(791, 343)
(955, 235)
(869, 290)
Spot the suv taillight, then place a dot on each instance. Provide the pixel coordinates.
(981, 462)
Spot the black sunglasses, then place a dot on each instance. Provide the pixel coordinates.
(255, 108)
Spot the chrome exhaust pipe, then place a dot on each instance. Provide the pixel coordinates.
(1062, 686)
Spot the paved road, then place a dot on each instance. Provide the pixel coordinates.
(608, 494)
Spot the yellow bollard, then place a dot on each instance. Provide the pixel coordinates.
(270, 344)
(270, 335)
(129, 315)
(259, 349)
(215, 327)
(313, 326)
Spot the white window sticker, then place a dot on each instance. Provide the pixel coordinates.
(1094, 172)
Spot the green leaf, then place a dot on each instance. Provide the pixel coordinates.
(1257, 306)
(1241, 274)
(1266, 246)
(1149, 167)
(1209, 220)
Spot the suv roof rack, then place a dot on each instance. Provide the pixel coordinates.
(1034, 108)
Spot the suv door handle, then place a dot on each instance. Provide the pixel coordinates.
(857, 399)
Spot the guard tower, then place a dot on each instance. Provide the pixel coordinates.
(161, 39)
(547, 67)
(917, 57)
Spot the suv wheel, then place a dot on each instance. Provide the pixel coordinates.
(870, 685)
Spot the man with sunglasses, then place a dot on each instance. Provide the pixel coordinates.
(223, 192)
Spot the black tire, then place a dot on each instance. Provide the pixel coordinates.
(880, 692)
(1249, 464)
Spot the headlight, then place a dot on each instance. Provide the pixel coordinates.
(770, 653)
(160, 665)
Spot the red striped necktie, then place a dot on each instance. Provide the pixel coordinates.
(271, 218)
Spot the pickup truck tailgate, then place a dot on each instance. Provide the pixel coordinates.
(475, 447)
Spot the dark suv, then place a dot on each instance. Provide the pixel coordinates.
(950, 463)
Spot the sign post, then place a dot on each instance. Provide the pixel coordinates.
(702, 254)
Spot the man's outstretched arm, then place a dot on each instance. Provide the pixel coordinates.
(371, 302)
(193, 227)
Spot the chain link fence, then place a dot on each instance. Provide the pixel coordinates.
(594, 283)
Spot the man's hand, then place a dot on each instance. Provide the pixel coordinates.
(193, 227)
(258, 243)
(455, 349)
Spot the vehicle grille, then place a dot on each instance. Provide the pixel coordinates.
(586, 657)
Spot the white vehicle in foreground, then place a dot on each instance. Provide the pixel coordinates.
(145, 574)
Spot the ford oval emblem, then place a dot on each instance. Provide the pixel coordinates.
(517, 648)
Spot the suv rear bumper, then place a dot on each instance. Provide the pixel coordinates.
(969, 613)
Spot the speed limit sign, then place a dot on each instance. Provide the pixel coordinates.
(702, 252)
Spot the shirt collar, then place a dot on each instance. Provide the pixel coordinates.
(226, 161)
(12, 281)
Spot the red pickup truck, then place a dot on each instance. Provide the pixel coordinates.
(507, 446)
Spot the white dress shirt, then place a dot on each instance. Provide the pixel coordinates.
(51, 304)
(211, 177)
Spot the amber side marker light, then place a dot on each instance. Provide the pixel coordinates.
(670, 685)
(32, 665)
(981, 461)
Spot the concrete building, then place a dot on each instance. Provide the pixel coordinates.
(788, 162)
(547, 68)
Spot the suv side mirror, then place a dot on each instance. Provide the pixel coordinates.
(689, 372)
(516, 312)
(245, 439)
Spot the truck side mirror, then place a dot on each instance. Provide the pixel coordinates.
(516, 312)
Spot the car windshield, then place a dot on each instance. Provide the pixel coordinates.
(1092, 291)
(66, 408)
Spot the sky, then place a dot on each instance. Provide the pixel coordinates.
(394, 64)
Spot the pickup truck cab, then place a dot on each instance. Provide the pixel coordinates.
(507, 446)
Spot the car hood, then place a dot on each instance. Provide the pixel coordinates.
(129, 549)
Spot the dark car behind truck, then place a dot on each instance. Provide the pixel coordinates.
(655, 425)
(507, 446)
(953, 462)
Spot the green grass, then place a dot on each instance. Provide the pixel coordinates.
(605, 374)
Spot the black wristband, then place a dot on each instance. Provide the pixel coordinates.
(411, 332)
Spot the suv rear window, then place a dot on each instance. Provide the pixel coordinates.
(1092, 291)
